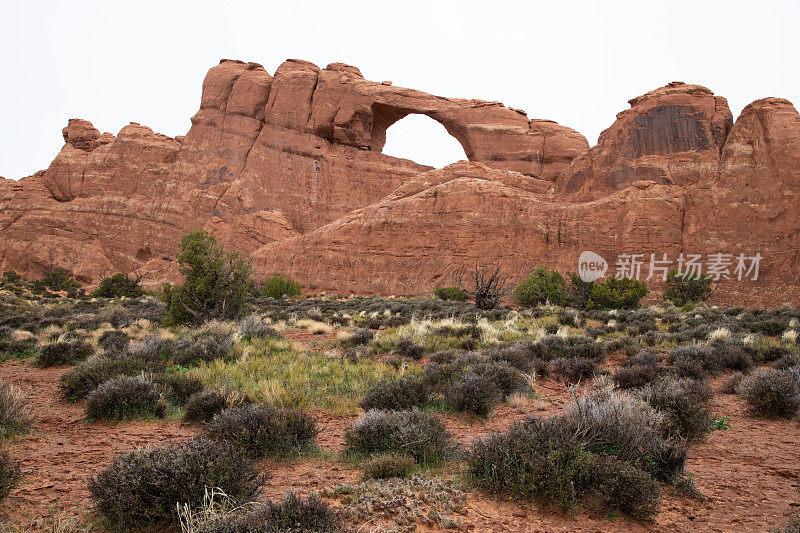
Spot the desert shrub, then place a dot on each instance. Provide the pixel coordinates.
(9, 475)
(388, 465)
(542, 286)
(204, 405)
(410, 349)
(732, 356)
(279, 287)
(537, 459)
(579, 292)
(86, 376)
(731, 384)
(262, 430)
(57, 280)
(187, 352)
(178, 386)
(216, 283)
(792, 525)
(63, 353)
(360, 336)
(620, 485)
(613, 421)
(118, 286)
(486, 283)
(11, 276)
(419, 434)
(772, 392)
(502, 375)
(474, 393)
(574, 369)
(397, 394)
(684, 404)
(771, 327)
(693, 360)
(551, 347)
(254, 327)
(293, 514)
(142, 487)
(113, 340)
(15, 414)
(13, 349)
(682, 288)
(450, 293)
(787, 361)
(636, 375)
(617, 293)
(124, 397)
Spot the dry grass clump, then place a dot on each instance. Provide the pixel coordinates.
(15, 414)
(9, 474)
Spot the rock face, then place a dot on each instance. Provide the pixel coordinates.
(289, 168)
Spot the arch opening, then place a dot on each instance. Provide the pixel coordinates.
(423, 140)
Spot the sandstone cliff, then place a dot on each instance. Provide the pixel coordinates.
(289, 168)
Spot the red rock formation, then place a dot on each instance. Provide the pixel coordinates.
(289, 167)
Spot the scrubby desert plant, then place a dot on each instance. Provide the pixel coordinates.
(57, 280)
(120, 285)
(205, 405)
(255, 327)
(216, 283)
(9, 474)
(579, 292)
(125, 397)
(262, 430)
(388, 465)
(86, 376)
(684, 404)
(474, 393)
(485, 283)
(178, 386)
(188, 351)
(450, 294)
(292, 514)
(396, 394)
(617, 293)
(682, 288)
(574, 369)
(279, 287)
(541, 287)
(772, 392)
(63, 353)
(142, 487)
(542, 460)
(15, 414)
(360, 336)
(420, 434)
(113, 340)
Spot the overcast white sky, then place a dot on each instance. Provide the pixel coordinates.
(574, 62)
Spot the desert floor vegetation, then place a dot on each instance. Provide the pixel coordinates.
(337, 413)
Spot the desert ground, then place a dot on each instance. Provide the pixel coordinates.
(329, 358)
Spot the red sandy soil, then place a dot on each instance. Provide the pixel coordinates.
(749, 474)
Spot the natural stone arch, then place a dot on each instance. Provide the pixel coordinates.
(384, 116)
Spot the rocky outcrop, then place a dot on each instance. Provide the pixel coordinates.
(288, 167)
